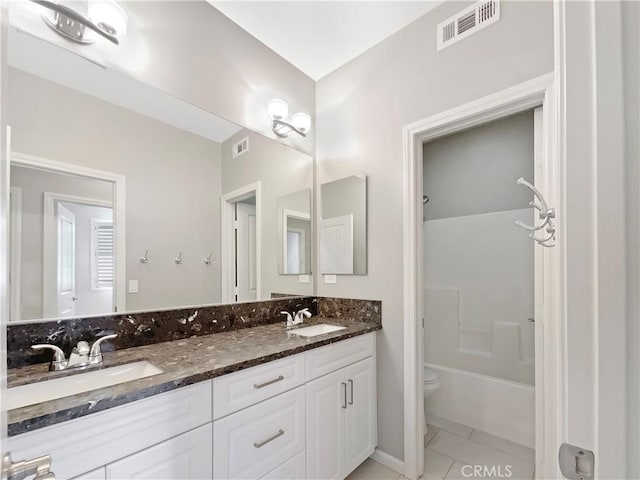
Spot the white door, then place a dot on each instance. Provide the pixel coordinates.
(66, 285)
(336, 245)
(360, 420)
(246, 253)
(187, 456)
(326, 406)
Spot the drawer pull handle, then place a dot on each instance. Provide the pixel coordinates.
(270, 382)
(270, 439)
(344, 389)
(351, 389)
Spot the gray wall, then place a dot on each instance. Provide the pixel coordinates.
(361, 109)
(192, 51)
(281, 170)
(475, 171)
(631, 65)
(173, 183)
(33, 184)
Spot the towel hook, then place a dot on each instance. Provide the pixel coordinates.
(178, 259)
(545, 214)
(145, 258)
(209, 259)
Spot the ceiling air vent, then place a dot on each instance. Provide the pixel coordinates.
(467, 22)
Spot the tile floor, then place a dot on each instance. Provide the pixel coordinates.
(452, 450)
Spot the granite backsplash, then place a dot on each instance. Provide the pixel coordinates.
(147, 328)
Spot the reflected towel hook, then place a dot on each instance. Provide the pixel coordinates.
(178, 259)
(209, 259)
(145, 258)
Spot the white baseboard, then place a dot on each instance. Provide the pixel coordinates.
(388, 461)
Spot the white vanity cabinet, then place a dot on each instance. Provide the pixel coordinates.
(310, 415)
(341, 411)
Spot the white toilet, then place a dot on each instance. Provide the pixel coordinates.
(431, 384)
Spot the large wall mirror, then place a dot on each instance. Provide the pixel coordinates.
(124, 198)
(343, 226)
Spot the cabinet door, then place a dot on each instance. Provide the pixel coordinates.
(326, 406)
(293, 469)
(361, 414)
(185, 457)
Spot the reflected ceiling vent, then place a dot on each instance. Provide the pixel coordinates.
(240, 147)
(467, 22)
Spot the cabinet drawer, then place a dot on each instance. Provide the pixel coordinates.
(253, 442)
(187, 457)
(333, 357)
(101, 438)
(98, 474)
(245, 388)
(293, 469)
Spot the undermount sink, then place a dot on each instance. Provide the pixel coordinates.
(38, 392)
(314, 330)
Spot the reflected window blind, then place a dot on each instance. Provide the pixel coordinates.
(102, 255)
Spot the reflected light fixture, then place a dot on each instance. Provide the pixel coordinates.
(104, 17)
(279, 111)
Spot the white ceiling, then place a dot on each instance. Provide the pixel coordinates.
(320, 36)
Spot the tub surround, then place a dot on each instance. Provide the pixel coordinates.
(148, 328)
(186, 361)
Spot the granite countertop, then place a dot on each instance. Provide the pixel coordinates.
(183, 362)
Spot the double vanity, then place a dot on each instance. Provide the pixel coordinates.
(260, 402)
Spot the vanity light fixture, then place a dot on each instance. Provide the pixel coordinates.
(104, 17)
(278, 110)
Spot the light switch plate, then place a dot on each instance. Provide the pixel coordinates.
(303, 278)
(329, 279)
(133, 286)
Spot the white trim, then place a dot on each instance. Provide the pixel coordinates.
(226, 231)
(524, 96)
(387, 460)
(118, 205)
(15, 253)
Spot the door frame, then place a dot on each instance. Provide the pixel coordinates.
(550, 368)
(15, 253)
(287, 213)
(118, 205)
(50, 250)
(227, 217)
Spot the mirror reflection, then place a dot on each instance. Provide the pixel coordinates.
(343, 226)
(294, 227)
(124, 198)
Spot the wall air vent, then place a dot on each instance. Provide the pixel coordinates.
(467, 22)
(240, 147)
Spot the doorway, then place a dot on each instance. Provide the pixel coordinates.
(241, 244)
(479, 298)
(79, 256)
(526, 96)
(67, 242)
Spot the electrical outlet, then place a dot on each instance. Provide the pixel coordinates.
(329, 279)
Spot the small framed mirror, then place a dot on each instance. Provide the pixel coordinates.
(343, 226)
(294, 227)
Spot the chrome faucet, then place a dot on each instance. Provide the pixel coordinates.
(297, 319)
(81, 355)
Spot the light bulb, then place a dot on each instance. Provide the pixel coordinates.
(277, 108)
(301, 121)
